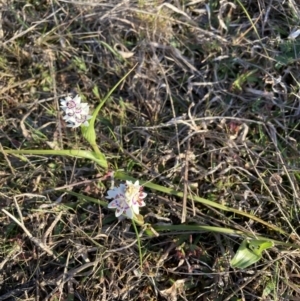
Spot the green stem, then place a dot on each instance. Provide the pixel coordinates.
(96, 148)
(139, 244)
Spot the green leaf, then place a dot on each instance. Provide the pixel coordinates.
(77, 153)
(89, 132)
(249, 252)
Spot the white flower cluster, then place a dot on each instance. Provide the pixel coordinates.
(127, 199)
(77, 113)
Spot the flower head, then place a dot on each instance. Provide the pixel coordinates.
(127, 199)
(77, 113)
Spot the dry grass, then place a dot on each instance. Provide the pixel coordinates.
(211, 109)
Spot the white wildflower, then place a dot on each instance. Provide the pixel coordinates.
(127, 199)
(77, 113)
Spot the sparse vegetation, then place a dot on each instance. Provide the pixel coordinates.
(208, 121)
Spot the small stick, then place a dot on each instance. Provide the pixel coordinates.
(35, 240)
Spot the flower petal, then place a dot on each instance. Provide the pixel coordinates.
(136, 209)
(142, 195)
(113, 204)
(141, 203)
(129, 213)
(119, 212)
(113, 193)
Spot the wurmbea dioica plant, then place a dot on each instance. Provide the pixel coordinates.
(128, 197)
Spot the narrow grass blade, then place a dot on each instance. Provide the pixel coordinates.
(71, 152)
(236, 233)
(89, 131)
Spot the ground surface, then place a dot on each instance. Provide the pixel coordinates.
(211, 109)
